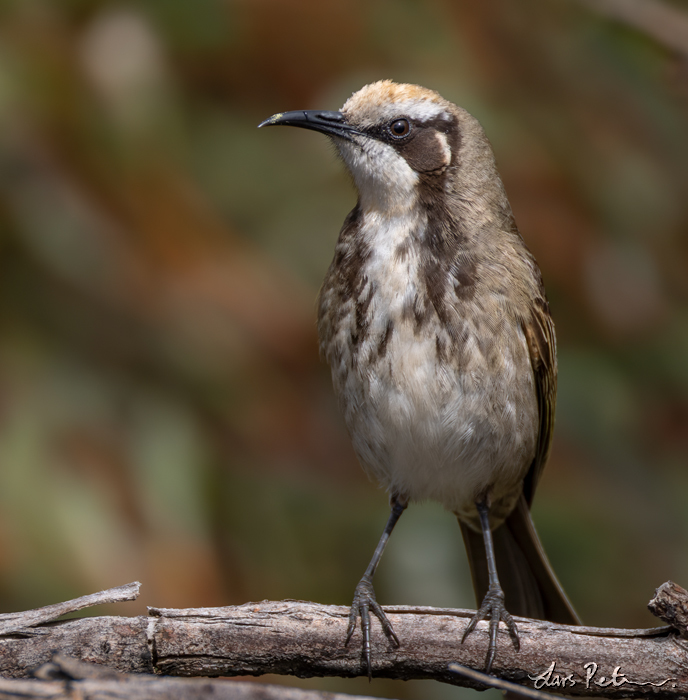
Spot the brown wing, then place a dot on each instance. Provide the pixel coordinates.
(530, 585)
(542, 345)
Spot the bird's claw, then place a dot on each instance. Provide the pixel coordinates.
(493, 607)
(363, 604)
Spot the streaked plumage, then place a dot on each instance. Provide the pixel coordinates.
(434, 320)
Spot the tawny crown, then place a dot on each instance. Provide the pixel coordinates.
(385, 99)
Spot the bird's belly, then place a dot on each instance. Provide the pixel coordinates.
(450, 429)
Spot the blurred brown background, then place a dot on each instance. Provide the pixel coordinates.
(163, 412)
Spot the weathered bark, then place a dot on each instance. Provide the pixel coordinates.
(670, 603)
(306, 639)
(25, 622)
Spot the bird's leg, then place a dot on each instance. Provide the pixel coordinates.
(364, 596)
(493, 602)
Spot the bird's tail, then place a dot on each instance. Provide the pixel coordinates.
(530, 587)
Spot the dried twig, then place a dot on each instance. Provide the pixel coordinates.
(498, 683)
(20, 622)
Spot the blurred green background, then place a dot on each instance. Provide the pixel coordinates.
(164, 415)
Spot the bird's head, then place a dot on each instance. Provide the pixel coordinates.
(400, 143)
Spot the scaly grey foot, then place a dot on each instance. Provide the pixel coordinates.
(493, 607)
(364, 603)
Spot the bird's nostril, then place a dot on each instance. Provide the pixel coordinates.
(331, 116)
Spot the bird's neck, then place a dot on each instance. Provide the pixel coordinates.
(392, 234)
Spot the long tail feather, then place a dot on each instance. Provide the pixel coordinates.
(530, 586)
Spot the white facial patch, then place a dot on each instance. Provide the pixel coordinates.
(444, 146)
(384, 180)
(421, 110)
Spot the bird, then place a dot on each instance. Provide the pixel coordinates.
(434, 320)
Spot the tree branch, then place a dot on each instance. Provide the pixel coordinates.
(306, 639)
(670, 603)
(65, 678)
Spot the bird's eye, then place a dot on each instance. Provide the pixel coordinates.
(399, 128)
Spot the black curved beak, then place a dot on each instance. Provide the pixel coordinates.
(331, 123)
